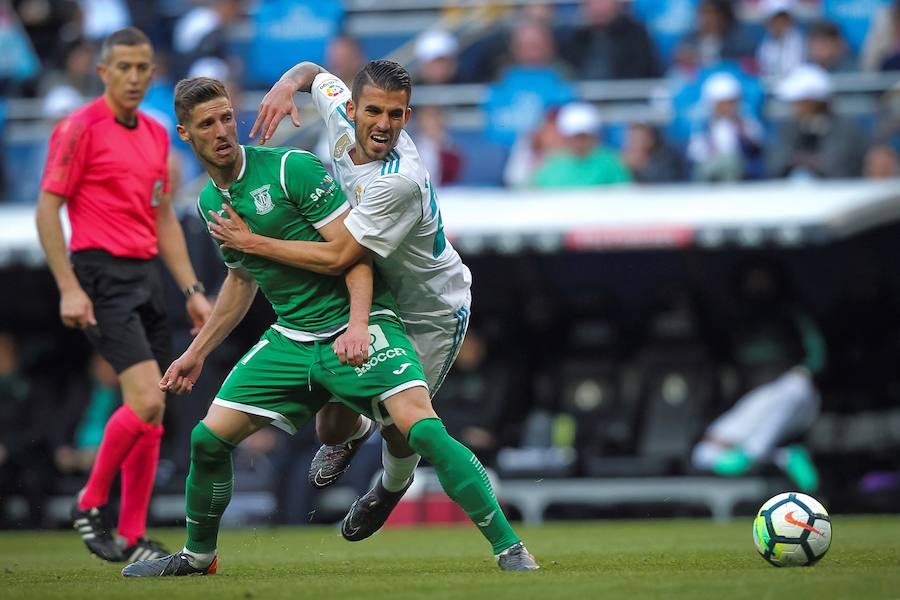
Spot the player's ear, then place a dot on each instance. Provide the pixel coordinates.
(101, 71)
(351, 111)
(183, 134)
(407, 116)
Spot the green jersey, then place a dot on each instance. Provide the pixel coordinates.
(286, 194)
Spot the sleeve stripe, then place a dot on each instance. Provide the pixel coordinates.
(334, 215)
(283, 161)
(341, 112)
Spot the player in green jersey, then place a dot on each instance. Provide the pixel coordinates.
(291, 372)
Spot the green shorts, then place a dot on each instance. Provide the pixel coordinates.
(288, 381)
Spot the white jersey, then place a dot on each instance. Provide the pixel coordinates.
(395, 213)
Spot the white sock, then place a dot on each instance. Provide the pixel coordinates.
(199, 560)
(364, 423)
(397, 471)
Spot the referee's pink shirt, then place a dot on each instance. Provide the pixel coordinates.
(113, 178)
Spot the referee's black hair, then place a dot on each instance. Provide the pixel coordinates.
(130, 36)
(197, 90)
(383, 74)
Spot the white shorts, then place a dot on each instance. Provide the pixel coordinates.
(437, 342)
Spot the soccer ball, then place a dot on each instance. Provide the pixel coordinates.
(792, 530)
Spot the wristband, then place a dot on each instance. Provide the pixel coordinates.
(196, 288)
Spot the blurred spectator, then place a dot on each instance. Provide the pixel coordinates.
(429, 130)
(611, 44)
(436, 54)
(727, 147)
(828, 49)
(18, 61)
(887, 123)
(883, 40)
(783, 48)
(102, 17)
(344, 57)
(59, 102)
(3, 190)
(78, 71)
(530, 149)
(582, 161)
(531, 84)
(881, 162)
(718, 36)
(815, 142)
(778, 351)
(203, 32)
(649, 158)
(49, 24)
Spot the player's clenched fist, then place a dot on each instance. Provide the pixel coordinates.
(182, 374)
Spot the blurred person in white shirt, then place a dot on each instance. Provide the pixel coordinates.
(726, 145)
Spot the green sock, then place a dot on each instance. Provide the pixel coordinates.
(464, 479)
(733, 462)
(208, 490)
(800, 468)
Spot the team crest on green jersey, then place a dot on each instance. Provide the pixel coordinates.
(262, 199)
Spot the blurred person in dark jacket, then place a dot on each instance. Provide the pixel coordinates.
(649, 158)
(816, 143)
(717, 36)
(611, 44)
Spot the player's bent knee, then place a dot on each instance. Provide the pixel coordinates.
(207, 447)
(425, 437)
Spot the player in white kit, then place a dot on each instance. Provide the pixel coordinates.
(396, 216)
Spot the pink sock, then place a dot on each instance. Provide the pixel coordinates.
(138, 475)
(121, 433)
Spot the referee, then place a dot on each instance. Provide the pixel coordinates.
(108, 163)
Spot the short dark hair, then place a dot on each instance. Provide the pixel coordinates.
(130, 36)
(197, 90)
(385, 75)
(825, 29)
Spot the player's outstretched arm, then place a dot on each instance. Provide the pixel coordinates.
(232, 304)
(279, 101)
(334, 256)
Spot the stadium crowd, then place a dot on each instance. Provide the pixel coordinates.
(717, 67)
(716, 74)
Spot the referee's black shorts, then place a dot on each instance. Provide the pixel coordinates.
(129, 307)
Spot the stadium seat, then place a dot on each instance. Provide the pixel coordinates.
(483, 160)
(678, 386)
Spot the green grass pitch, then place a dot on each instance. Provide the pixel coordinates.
(659, 559)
